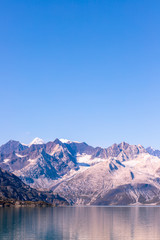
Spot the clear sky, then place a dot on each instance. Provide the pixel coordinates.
(82, 70)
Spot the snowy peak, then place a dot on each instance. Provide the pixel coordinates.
(64, 140)
(150, 149)
(154, 152)
(37, 141)
(67, 141)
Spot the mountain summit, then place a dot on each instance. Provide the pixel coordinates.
(37, 141)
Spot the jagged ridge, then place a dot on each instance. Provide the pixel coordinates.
(83, 174)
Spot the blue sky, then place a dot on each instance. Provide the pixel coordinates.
(82, 70)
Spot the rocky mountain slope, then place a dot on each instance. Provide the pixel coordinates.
(12, 188)
(115, 182)
(38, 164)
(119, 174)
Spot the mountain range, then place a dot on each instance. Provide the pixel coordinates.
(82, 174)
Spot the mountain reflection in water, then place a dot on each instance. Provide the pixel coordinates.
(80, 223)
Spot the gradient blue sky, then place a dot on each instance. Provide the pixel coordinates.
(82, 70)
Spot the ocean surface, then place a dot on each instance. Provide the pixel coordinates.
(80, 223)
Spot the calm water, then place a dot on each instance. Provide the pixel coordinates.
(80, 223)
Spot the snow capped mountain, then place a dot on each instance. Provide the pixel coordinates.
(40, 164)
(82, 174)
(154, 152)
(37, 141)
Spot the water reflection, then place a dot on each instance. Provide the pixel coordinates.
(80, 223)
